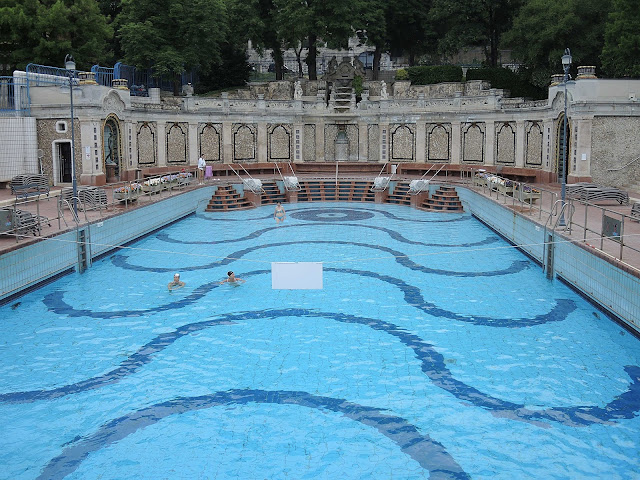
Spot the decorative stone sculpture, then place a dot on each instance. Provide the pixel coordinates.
(333, 66)
(297, 90)
(383, 90)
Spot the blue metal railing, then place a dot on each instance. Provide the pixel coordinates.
(103, 75)
(14, 97)
(43, 75)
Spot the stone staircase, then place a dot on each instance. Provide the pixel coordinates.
(227, 198)
(445, 199)
(344, 191)
(272, 193)
(342, 99)
(400, 194)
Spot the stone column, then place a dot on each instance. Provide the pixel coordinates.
(385, 152)
(489, 143)
(320, 157)
(456, 143)
(262, 139)
(194, 151)
(582, 171)
(162, 144)
(227, 142)
(363, 140)
(520, 143)
(421, 141)
(298, 142)
(547, 145)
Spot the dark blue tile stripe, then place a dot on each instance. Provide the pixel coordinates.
(392, 233)
(624, 406)
(400, 257)
(451, 217)
(412, 295)
(431, 455)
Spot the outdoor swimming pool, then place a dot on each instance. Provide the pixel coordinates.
(435, 350)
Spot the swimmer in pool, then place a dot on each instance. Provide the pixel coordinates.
(279, 214)
(176, 283)
(231, 278)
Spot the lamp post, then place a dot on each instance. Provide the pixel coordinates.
(566, 64)
(70, 65)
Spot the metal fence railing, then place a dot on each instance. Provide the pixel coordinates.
(103, 75)
(604, 228)
(522, 195)
(14, 100)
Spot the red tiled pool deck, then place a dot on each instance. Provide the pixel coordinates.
(628, 259)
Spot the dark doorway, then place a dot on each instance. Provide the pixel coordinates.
(64, 163)
(563, 149)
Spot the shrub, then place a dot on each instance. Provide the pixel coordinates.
(402, 74)
(358, 85)
(518, 84)
(427, 75)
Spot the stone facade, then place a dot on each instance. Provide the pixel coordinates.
(616, 143)
(210, 142)
(453, 123)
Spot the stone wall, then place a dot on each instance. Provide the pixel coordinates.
(456, 123)
(615, 142)
(210, 142)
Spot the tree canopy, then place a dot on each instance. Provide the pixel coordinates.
(621, 52)
(45, 31)
(210, 36)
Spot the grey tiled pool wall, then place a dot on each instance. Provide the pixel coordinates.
(609, 286)
(32, 264)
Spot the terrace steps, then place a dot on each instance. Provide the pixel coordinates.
(227, 198)
(400, 194)
(445, 199)
(343, 191)
(272, 194)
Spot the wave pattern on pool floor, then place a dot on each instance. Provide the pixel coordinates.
(433, 456)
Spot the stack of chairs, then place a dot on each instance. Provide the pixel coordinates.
(22, 222)
(90, 198)
(28, 185)
(591, 192)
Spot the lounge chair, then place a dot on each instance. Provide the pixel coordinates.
(635, 211)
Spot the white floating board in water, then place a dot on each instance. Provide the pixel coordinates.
(296, 275)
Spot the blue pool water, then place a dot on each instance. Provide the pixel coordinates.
(435, 350)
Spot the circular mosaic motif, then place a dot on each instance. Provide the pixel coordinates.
(331, 215)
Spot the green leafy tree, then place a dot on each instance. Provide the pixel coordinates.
(370, 25)
(173, 37)
(544, 28)
(45, 31)
(621, 52)
(412, 34)
(464, 23)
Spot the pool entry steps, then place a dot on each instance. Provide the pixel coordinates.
(444, 199)
(227, 198)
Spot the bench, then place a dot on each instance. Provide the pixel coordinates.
(635, 211)
(29, 185)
